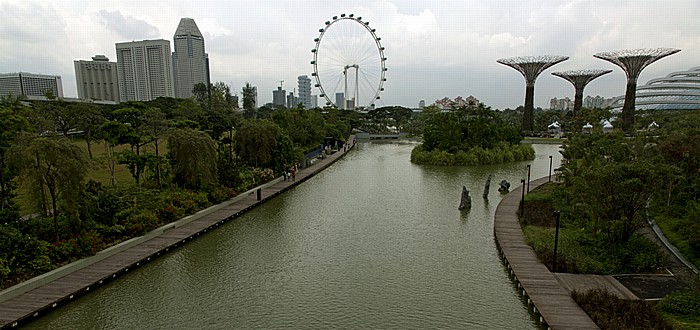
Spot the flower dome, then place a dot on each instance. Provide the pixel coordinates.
(677, 91)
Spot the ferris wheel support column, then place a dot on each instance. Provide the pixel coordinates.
(356, 97)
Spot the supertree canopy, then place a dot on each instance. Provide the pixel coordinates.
(531, 67)
(580, 78)
(633, 61)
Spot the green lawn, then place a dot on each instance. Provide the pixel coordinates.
(98, 172)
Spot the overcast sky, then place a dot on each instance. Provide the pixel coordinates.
(434, 48)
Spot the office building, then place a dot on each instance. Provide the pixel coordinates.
(144, 70)
(305, 91)
(340, 100)
(30, 85)
(97, 79)
(278, 97)
(190, 61)
(292, 101)
(314, 101)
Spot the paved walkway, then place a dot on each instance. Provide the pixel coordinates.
(548, 299)
(26, 301)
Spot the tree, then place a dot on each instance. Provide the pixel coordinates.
(155, 125)
(86, 117)
(194, 158)
(10, 125)
(262, 143)
(113, 133)
(53, 166)
(248, 100)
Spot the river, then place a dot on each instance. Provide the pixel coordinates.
(371, 242)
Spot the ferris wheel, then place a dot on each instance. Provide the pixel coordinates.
(349, 63)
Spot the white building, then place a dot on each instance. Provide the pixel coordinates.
(340, 100)
(314, 101)
(144, 70)
(33, 86)
(305, 91)
(292, 101)
(190, 61)
(97, 79)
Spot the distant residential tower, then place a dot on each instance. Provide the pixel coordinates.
(144, 70)
(33, 86)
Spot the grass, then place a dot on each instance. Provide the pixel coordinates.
(610, 312)
(99, 170)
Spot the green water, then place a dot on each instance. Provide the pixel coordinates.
(372, 242)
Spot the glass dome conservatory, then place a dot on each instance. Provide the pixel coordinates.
(677, 91)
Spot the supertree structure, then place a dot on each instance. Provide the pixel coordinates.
(580, 78)
(531, 67)
(633, 61)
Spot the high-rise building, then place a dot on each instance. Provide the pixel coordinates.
(255, 97)
(144, 70)
(305, 91)
(314, 101)
(421, 104)
(278, 96)
(190, 61)
(30, 85)
(292, 101)
(340, 100)
(97, 79)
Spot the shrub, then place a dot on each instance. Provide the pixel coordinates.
(77, 246)
(610, 312)
(141, 223)
(681, 304)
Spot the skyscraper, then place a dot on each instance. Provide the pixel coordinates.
(97, 79)
(279, 97)
(190, 62)
(305, 91)
(144, 70)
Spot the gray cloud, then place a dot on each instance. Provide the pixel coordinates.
(128, 27)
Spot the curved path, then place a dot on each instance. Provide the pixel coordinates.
(24, 302)
(548, 299)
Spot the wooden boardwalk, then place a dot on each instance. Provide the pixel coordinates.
(22, 308)
(547, 298)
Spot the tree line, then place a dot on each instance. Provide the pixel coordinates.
(66, 161)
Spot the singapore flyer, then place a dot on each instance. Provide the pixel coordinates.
(349, 63)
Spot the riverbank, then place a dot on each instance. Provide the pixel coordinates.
(28, 300)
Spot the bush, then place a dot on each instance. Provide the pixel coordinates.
(681, 304)
(77, 246)
(141, 223)
(610, 312)
(501, 153)
(21, 255)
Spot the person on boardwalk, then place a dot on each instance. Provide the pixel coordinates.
(294, 174)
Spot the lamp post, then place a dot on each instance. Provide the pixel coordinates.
(556, 241)
(550, 168)
(522, 199)
(528, 179)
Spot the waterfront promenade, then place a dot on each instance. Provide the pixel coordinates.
(28, 300)
(550, 302)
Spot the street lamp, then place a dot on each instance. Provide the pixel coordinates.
(556, 240)
(550, 168)
(528, 179)
(522, 199)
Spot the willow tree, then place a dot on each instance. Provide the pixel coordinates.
(194, 158)
(55, 169)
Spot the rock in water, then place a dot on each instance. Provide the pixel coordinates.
(466, 202)
(487, 187)
(504, 187)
